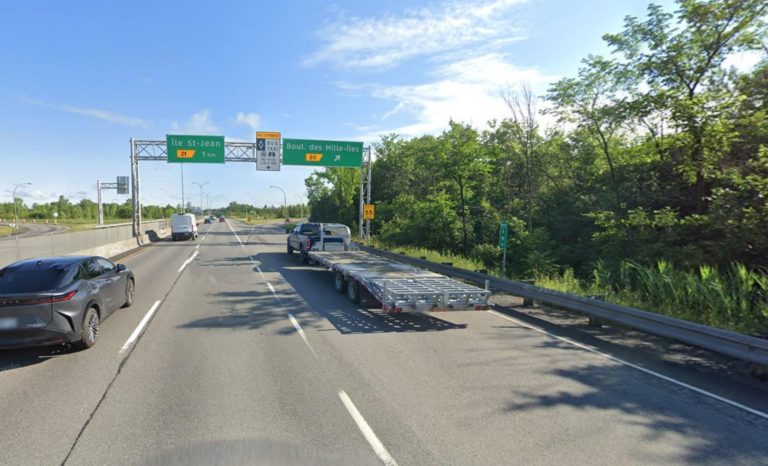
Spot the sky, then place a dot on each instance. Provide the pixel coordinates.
(80, 78)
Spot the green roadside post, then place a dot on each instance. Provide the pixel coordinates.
(503, 241)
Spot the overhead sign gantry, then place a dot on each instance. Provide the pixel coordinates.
(265, 153)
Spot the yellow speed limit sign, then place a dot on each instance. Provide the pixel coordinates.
(369, 211)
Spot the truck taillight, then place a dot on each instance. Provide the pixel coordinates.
(309, 244)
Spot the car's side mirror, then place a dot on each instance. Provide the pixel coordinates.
(120, 267)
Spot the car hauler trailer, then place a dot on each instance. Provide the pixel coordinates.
(369, 279)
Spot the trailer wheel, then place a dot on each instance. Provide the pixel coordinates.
(339, 282)
(353, 291)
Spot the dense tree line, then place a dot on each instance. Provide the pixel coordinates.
(237, 209)
(660, 152)
(85, 209)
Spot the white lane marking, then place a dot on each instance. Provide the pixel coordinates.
(186, 262)
(295, 322)
(197, 247)
(272, 289)
(233, 232)
(700, 391)
(140, 327)
(301, 333)
(370, 436)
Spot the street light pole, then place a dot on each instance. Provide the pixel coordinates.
(183, 207)
(301, 205)
(15, 212)
(285, 200)
(201, 193)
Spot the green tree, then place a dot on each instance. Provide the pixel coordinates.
(679, 58)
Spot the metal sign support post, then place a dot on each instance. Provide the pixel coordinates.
(157, 150)
(98, 200)
(504, 264)
(368, 195)
(135, 199)
(365, 193)
(362, 200)
(121, 186)
(183, 206)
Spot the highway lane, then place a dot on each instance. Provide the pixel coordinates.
(47, 394)
(253, 356)
(481, 389)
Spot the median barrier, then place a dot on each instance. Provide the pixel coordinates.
(106, 241)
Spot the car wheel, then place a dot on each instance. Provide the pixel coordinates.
(130, 292)
(353, 291)
(91, 325)
(290, 250)
(339, 282)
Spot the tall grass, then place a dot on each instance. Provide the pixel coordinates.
(433, 256)
(735, 298)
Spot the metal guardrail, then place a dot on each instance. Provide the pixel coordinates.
(733, 344)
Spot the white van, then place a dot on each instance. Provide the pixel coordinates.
(183, 226)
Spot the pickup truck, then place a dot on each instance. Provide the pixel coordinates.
(318, 237)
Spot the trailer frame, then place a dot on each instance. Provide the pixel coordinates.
(397, 287)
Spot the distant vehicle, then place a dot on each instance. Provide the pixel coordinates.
(221, 219)
(307, 237)
(208, 220)
(60, 299)
(183, 226)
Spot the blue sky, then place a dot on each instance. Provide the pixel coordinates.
(80, 78)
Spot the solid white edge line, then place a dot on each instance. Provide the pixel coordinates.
(370, 436)
(187, 262)
(301, 333)
(140, 327)
(700, 391)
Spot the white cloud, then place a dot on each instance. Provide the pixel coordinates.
(106, 115)
(382, 42)
(467, 90)
(248, 119)
(199, 123)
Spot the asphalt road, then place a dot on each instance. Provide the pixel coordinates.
(28, 230)
(252, 358)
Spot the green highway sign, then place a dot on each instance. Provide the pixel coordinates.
(322, 153)
(503, 235)
(194, 149)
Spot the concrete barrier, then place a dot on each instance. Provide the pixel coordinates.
(107, 242)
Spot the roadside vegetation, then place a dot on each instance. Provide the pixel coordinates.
(649, 184)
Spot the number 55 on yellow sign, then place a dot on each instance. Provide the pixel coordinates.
(369, 211)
